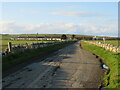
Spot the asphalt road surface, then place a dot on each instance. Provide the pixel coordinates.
(71, 67)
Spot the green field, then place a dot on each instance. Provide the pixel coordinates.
(17, 42)
(113, 42)
(10, 36)
(111, 59)
(5, 36)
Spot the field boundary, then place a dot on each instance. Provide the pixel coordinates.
(109, 47)
(23, 47)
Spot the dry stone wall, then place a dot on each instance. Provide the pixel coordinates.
(110, 47)
(23, 47)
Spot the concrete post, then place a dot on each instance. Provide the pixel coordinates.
(10, 46)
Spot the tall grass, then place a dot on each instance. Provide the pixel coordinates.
(111, 59)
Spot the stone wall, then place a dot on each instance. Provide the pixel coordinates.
(110, 47)
(23, 47)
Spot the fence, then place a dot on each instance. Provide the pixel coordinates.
(110, 47)
(23, 47)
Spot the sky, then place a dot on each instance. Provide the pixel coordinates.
(85, 18)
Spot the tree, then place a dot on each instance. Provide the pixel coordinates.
(73, 36)
(63, 37)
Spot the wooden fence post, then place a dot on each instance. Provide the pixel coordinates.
(10, 46)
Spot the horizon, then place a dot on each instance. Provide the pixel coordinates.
(57, 34)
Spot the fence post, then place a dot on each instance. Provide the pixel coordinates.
(10, 46)
(27, 46)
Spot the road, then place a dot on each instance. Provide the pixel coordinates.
(71, 67)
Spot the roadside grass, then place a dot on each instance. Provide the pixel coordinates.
(111, 60)
(17, 58)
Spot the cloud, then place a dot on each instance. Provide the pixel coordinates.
(60, 27)
(10, 27)
(78, 14)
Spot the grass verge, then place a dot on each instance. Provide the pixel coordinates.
(13, 59)
(111, 59)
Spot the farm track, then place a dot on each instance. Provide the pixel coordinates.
(70, 67)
